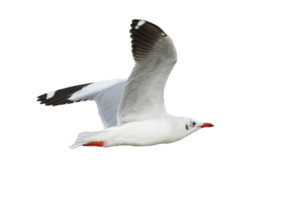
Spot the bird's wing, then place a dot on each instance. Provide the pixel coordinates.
(155, 56)
(105, 93)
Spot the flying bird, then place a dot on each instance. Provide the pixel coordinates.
(133, 111)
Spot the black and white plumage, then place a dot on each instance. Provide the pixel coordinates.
(101, 92)
(133, 108)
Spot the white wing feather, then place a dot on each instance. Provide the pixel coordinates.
(143, 96)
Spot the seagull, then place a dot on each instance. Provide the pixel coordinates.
(133, 111)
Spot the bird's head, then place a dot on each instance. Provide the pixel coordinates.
(193, 125)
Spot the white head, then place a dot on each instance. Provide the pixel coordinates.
(191, 125)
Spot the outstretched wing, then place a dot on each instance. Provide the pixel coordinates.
(105, 93)
(155, 56)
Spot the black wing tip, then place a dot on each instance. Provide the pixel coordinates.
(54, 101)
(137, 23)
(42, 98)
(144, 35)
(60, 97)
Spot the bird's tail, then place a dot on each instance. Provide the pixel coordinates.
(86, 138)
(96, 138)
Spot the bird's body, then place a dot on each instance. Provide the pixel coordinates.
(166, 129)
(133, 110)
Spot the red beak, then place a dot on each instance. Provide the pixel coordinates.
(206, 125)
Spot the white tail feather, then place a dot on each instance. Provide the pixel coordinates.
(86, 137)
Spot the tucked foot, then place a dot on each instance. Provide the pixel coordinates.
(97, 144)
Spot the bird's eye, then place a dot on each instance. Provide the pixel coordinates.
(193, 124)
